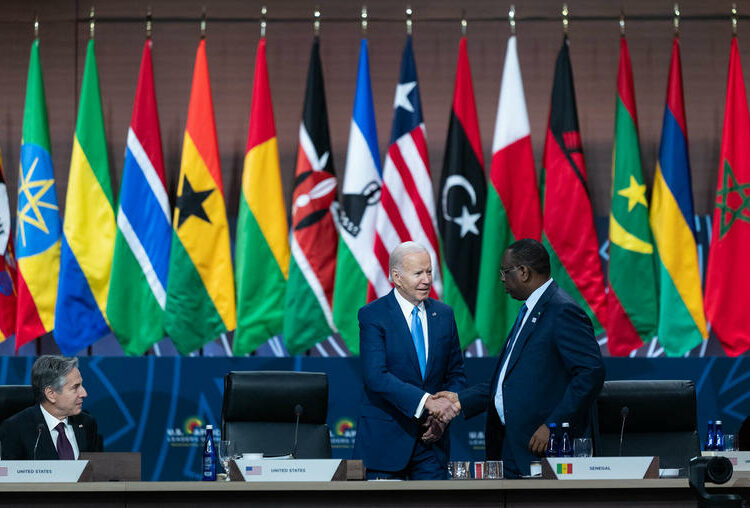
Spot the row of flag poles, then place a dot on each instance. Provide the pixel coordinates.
(143, 271)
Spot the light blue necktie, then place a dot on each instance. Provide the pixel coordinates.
(417, 335)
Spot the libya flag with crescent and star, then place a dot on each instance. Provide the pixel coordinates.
(728, 272)
(462, 195)
(631, 303)
(200, 285)
(567, 217)
(308, 318)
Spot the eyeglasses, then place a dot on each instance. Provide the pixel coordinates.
(505, 271)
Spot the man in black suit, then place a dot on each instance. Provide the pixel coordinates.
(55, 428)
(550, 370)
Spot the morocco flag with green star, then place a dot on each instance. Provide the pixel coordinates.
(631, 302)
(728, 272)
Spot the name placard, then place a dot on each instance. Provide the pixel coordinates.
(290, 470)
(44, 471)
(600, 468)
(740, 460)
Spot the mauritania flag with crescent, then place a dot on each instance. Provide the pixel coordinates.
(138, 289)
(262, 248)
(200, 285)
(682, 322)
(631, 302)
(356, 267)
(38, 227)
(89, 227)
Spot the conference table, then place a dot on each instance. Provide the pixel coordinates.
(450, 493)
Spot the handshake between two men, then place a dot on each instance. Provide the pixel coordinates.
(443, 407)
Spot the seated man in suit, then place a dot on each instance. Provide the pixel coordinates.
(409, 350)
(55, 428)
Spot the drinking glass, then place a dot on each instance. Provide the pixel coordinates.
(729, 445)
(226, 453)
(493, 470)
(582, 447)
(459, 469)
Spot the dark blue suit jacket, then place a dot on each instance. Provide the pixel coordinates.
(554, 374)
(387, 430)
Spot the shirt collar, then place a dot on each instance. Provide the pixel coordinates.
(536, 295)
(406, 305)
(50, 420)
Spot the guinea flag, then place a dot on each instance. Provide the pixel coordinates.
(462, 195)
(567, 218)
(631, 302)
(200, 286)
(728, 272)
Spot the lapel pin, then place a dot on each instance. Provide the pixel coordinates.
(434, 314)
(80, 425)
(533, 320)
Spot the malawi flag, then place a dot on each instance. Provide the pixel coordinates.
(513, 210)
(462, 194)
(200, 285)
(356, 267)
(138, 289)
(8, 274)
(631, 302)
(728, 272)
(308, 318)
(682, 323)
(89, 227)
(567, 219)
(38, 227)
(262, 248)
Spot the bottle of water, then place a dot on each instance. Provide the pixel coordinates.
(719, 438)
(710, 436)
(566, 445)
(209, 456)
(552, 447)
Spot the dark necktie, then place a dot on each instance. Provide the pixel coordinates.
(514, 331)
(64, 449)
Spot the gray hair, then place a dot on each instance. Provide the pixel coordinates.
(396, 260)
(50, 371)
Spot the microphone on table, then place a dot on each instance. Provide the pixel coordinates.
(624, 412)
(39, 429)
(298, 409)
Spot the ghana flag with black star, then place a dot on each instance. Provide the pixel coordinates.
(462, 196)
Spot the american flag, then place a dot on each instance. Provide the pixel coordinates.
(407, 205)
(253, 470)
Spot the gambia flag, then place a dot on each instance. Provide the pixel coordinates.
(89, 229)
(567, 218)
(262, 248)
(462, 195)
(682, 323)
(356, 267)
(38, 227)
(728, 272)
(513, 210)
(138, 289)
(308, 318)
(631, 302)
(200, 285)
(8, 274)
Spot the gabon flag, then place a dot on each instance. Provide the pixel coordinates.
(8, 273)
(631, 302)
(262, 245)
(567, 218)
(728, 272)
(200, 286)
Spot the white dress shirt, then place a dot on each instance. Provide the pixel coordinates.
(53, 422)
(406, 308)
(530, 303)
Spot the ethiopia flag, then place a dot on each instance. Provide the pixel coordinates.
(138, 289)
(462, 195)
(308, 318)
(567, 219)
(631, 302)
(262, 249)
(38, 226)
(728, 272)
(8, 274)
(356, 267)
(682, 323)
(200, 285)
(89, 228)
(513, 210)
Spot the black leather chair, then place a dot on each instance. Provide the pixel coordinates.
(258, 413)
(14, 398)
(661, 421)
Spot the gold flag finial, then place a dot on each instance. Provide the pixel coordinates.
(203, 22)
(622, 23)
(316, 21)
(464, 23)
(92, 22)
(409, 23)
(363, 20)
(676, 19)
(734, 19)
(565, 13)
(512, 19)
(36, 26)
(148, 22)
(263, 21)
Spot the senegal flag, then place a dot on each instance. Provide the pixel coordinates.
(200, 287)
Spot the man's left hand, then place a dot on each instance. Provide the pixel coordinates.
(434, 429)
(538, 442)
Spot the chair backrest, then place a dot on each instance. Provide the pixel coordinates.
(14, 398)
(661, 420)
(258, 413)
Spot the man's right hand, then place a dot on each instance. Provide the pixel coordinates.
(451, 396)
(442, 408)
